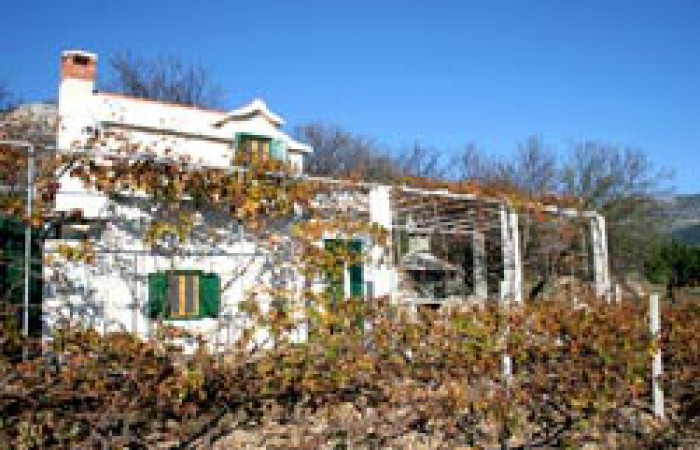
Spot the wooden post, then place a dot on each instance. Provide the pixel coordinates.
(28, 250)
(507, 362)
(517, 258)
(656, 367)
(512, 262)
(137, 304)
(480, 270)
(601, 269)
(506, 286)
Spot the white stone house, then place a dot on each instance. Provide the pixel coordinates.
(117, 292)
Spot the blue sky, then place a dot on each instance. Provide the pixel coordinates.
(441, 72)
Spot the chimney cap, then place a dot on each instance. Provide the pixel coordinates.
(71, 53)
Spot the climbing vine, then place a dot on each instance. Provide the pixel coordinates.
(368, 374)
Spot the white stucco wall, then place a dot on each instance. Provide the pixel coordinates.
(204, 135)
(111, 294)
(381, 272)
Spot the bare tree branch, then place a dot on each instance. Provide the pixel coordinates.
(338, 152)
(7, 99)
(165, 78)
(422, 161)
(626, 187)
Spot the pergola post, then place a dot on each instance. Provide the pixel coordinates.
(601, 270)
(506, 253)
(382, 279)
(28, 242)
(380, 211)
(512, 261)
(479, 265)
(517, 258)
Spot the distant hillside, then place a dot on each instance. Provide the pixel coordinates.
(683, 212)
(38, 121)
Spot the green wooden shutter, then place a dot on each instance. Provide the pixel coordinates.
(242, 142)
(157, 294)
(336, 282)
(14, 257)
(278, 150)
(236, 143)
(355, 271)
(12, 260)
(357, 282)
(209, 295)
(36, 274)
(12, 270)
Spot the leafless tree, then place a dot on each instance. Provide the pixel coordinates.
(340, 153)
(165, 78)
(7, 100)
(626, 187)
(532, 169)
(621, 183)
(422, 161)
(471, 164)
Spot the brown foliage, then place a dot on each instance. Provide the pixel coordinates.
(581, 375)
(369, 372)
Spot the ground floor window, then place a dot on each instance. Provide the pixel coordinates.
(355, 271)
(183, 294)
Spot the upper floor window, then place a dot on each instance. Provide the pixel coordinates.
(257, 147)
(260, 148)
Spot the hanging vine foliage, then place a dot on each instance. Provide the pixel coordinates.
(369, 373)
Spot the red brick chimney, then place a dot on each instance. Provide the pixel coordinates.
(77, 64)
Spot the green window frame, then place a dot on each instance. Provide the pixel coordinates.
(336, 275)
(183, 295)
(336, 278)
(356, 271)
(263, 146)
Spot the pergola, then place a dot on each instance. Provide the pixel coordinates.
(491, 227)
